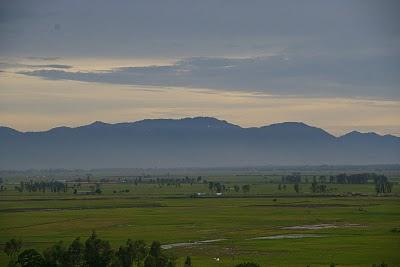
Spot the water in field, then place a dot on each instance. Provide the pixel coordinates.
(288, 236)
(189, 244)
(320, 226)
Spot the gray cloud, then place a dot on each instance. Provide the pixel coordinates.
(6, 65)
(335, 48)
(282, 75)
(180, 28)
(43, 58)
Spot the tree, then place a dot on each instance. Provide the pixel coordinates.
(12, 247)
(314, 187)
(98, 253)
(140, 248)
(218, 187)
(210, 186)
(55, 255)
(157, 257)
(382, 184)
(125, 258)
(30, 258)
(76, 253)
(162, 261)
(297, 188)
(150, 261)
(237, 188)
(188, 262)
(246, 188)
(155, 249)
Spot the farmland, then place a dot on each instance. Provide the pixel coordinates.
(271, 223)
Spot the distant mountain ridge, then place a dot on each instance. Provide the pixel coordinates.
(190, 142)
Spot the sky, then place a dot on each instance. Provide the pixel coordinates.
(330, 64)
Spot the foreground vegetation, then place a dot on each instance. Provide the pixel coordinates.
(95, 252)
(269, 222)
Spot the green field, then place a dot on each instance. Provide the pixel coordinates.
(358, 231)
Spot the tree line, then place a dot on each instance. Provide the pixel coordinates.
(342, 178)
(220, 187)
(96, 252)
(42, 186)
(160, 181)
(319, 183)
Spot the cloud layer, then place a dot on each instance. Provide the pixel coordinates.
(180, 28)
(278, 75)
(7, 65)
(334, 48)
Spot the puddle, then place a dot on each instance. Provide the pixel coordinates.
(273, 237)
(288, 236)
(354, 225)
(310, 227)
(189, 244)
(320, 226)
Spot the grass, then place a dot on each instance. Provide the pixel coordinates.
(168, 214)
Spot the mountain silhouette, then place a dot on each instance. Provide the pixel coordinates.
(191, 142)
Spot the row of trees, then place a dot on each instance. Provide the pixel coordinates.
(319, 184)
(219, 187)
(358, 178)
(318, 187)
(95, 252)
(160, 181)
(315, 187)
(382, 185)
(245, 188)
(294, 178)
(343, 178)
(42, 186)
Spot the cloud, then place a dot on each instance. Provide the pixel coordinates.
(180, 28)
(279, 75)
(43, 58)
(6, 65)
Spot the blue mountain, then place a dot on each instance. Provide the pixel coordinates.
(191, 142)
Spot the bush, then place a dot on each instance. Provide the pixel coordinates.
(30, 258)
(94, 252)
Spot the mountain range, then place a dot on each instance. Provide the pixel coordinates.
(191, 142)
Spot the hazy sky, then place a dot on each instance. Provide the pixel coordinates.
(332, 64)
